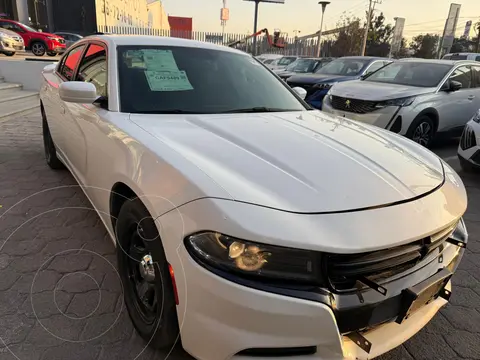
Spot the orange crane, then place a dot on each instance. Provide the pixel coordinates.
(275, 42)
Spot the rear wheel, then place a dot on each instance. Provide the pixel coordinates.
(9, 53)
(49, 146)
(144, 270)
(39, 48)
(422, 130)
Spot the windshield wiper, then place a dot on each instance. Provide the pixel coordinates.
(257, 110)
(172, 111)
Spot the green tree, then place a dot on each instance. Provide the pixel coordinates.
(403, 51)
(424, 46)
(348, 40)
(379, 36)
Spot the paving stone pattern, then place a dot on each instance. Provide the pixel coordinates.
(60, 295)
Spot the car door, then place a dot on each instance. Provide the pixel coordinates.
(82, 118)
(62, 125)
(456, 108)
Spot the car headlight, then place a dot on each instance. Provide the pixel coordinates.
(476, 117)
(250, 259)
(397, 102)
(53, 38)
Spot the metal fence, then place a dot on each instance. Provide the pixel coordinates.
(293, 45)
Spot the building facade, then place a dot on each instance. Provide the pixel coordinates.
(86, 16)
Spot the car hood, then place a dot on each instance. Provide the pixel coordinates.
(375, 91)
(320, 78)
(9, 33)
(47, 34)
(303, 162)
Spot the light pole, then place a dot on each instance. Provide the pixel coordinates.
(319, 46)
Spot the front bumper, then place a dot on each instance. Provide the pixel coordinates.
(8, 45)
(237, 317)
(397, 119)
(469, 146)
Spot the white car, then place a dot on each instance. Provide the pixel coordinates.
(469, 147)
(246, 224)
(413, 97)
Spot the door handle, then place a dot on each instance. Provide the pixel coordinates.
(471, 97)
(62, 109)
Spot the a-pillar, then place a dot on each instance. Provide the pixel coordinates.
(22, 11)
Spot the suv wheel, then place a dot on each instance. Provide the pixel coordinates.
(422, 130)
(39, 49)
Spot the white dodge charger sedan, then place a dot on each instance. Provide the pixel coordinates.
(247, 224)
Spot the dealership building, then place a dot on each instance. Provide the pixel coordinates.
(85, 16)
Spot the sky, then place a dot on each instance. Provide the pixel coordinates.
(305, 15)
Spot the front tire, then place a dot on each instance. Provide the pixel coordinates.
(49, 146)
(39, 48)
(51, 53)
(144, 271)
(467, 166)
(9, 53)
(422, 131)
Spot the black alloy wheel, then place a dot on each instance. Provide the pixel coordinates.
(422, 131)
(144, 271)
(49, 146)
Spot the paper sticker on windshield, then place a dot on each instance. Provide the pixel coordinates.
(168, 80)
(159, 60)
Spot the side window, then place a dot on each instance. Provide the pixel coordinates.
(476, 76)
(69, 63)
(374, 67)
(463, 75)
(477, 58)
(93, 68)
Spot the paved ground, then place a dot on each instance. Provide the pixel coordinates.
(27, 54)
(60, 296)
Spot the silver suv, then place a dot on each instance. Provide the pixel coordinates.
(417, 98)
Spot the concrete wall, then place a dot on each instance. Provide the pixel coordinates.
(27, 73)
(157, 15)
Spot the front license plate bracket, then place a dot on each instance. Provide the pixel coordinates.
(360, 341)
(423, 293)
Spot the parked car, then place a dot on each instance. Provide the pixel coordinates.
(417, 98)
(264, 57)
(339, 70)
(462, 56)
(70, 38)
(39, 43)
(240, 214)
(10, 42)
(469, 147)
(302, 66)
(283, 62)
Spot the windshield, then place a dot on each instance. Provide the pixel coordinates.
(168, 79)
(302, 65)
(286, 60)
(28, 27)
(347, 67)
(455, 57)
(421, 74)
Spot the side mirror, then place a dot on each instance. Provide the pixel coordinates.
(300, 92)
(50, 68)
(455, 85)
(78, 92)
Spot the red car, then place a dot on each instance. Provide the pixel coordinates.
(38, 42)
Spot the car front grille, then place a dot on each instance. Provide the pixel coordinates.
(468, 139)
(345, 271)
(353, 105)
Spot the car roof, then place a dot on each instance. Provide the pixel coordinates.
(67, 33)
(145, 40)
(438, 61)
(363, 57)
